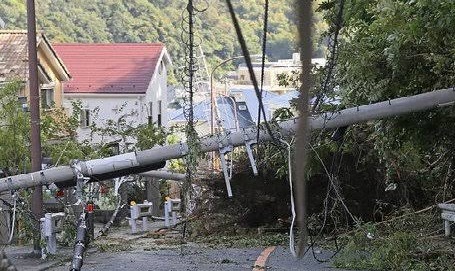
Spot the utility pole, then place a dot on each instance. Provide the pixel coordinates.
(154, 158)
(304, 15)
(37, 196)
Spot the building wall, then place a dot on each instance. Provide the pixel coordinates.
(272, 70)
(105, 111)
(58, 89)
(156, 92)
(110, 107)
(270, 77)
(46, 63)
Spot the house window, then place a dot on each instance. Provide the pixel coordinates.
(84, 119)
(160, 70)
(159, 114)
(47, 98)
(150, 118)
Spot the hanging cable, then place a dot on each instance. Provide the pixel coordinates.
(264, 46)
(249, 64)
(13, 222)
(332, 56)
(291, 189)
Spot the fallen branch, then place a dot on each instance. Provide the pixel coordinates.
(401, 216)
(413, 213)
(107, 226)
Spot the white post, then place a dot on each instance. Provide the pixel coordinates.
(166, 213)
(49, 226)
(133, 225)
(144, 223)
(49, 230)
(447, 228)
(174, 218)
(134, 214)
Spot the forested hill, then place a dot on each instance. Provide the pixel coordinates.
(159, 20)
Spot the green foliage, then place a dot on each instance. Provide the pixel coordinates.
(396, 48)
(15, 130)
(160, 21)
(401, 244)
(149, 135)
(399, 48)
(393, 254)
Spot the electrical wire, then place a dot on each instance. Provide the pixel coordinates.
(264, 46)
(335, 188)
(249, 64)
(291, 189)
(13, 222)
(332, 57)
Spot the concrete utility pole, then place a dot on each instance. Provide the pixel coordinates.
(37, 197)
(165, 175)
(154, 158)
(304, 11)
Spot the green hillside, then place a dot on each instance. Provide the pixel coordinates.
(159, 20)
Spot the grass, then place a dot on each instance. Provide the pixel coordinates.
(411, 243)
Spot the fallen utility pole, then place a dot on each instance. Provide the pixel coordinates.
(166, 175)
(142, 161)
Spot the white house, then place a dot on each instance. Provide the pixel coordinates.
(116, 83)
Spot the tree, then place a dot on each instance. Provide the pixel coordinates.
(398, 48)
(14, 131)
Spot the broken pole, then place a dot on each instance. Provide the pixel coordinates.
(154, 158)
(35, 148)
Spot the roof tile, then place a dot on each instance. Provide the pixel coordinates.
(109, 68)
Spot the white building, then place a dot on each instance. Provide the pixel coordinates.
(115, 86)
(272, 71)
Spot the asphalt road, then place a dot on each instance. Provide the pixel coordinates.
(195, 258)
(121, 250)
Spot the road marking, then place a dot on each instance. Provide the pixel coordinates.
(259, 264)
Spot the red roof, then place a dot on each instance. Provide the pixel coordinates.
(109, 68)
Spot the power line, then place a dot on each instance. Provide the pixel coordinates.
(249, 65)
(264, 45)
